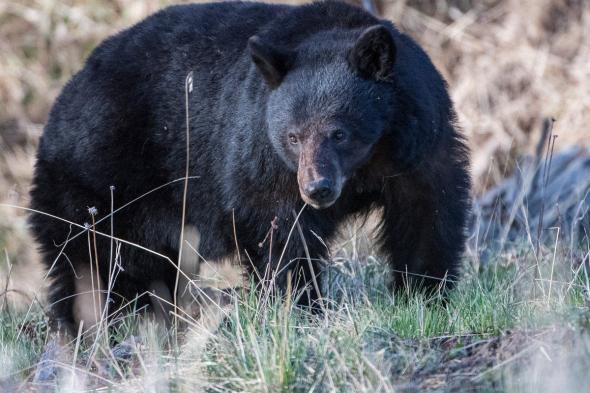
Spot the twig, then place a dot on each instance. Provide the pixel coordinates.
(310, 265)
(548, 129)
(5, 300)
(188, 88)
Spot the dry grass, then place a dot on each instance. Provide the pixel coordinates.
(509, 64)
(518, 325)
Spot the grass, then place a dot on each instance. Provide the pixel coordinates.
(533, 53)
(497, 328)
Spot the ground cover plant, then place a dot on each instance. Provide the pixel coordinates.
(520, 324)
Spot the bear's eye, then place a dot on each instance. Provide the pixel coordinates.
(293, 139)
(338, 135)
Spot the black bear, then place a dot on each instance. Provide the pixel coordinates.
(321, 110)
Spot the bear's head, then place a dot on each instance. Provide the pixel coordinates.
(330, 102)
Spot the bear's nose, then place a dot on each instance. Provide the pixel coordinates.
(320, 190)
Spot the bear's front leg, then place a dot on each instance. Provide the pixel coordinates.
(295, 265)
(301, 274)
(423, 230)
(307, 283)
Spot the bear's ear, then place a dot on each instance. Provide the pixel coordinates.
(373, 54)
(273, 63)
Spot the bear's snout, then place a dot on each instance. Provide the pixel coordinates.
(319, 176)
(320, 191)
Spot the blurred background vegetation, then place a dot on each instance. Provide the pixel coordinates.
(509, 65)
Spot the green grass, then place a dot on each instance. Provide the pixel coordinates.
(502, 328)
(22, 338)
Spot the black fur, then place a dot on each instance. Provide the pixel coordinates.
(121, 122)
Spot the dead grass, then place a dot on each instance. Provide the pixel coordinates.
(509, 64)
(504, 328)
